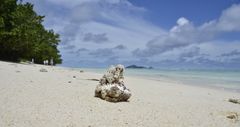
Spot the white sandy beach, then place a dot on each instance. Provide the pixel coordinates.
(30, 98)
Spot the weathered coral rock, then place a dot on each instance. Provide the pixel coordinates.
(111, 86)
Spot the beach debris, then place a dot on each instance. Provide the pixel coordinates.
(232, 116)
(93, 79)
(81, 71)
(43, 70)
(74, 76)
(236, 101)
(69, 81)
(18, 71)
(25, 62)
(111, 86)
(13, 64)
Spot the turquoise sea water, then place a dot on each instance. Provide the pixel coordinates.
(221, 79)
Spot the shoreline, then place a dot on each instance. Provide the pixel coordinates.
(65, 97)
(207, 86)
(221, 87)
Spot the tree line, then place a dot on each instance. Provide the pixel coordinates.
(23, 36)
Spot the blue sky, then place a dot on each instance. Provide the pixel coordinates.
(159, 33)
(165, 12)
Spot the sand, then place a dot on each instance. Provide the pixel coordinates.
(63, 97)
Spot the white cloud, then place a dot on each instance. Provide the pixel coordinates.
(185, 33)
(96, 18)
(230, 19)
(69, 4)
(182, 21)
(121, 23)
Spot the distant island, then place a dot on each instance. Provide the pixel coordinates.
(138, 67)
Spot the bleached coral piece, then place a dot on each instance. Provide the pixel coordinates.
(111, 86)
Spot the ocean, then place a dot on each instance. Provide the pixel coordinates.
(220, 79)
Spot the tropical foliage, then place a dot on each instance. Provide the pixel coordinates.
(23, 36)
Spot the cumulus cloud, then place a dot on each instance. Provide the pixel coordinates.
(195, 51)
(180, 22)
(133, 39)
(96, 21)
(230, 19)
(106, 52)
(102, 10)
(236, 62)
(96, 38)
(185, 33)
(232, 53)
(82, 50)
(120, 47)
(181, 35)
(69, 47)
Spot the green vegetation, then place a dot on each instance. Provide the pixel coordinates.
(22, 35)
